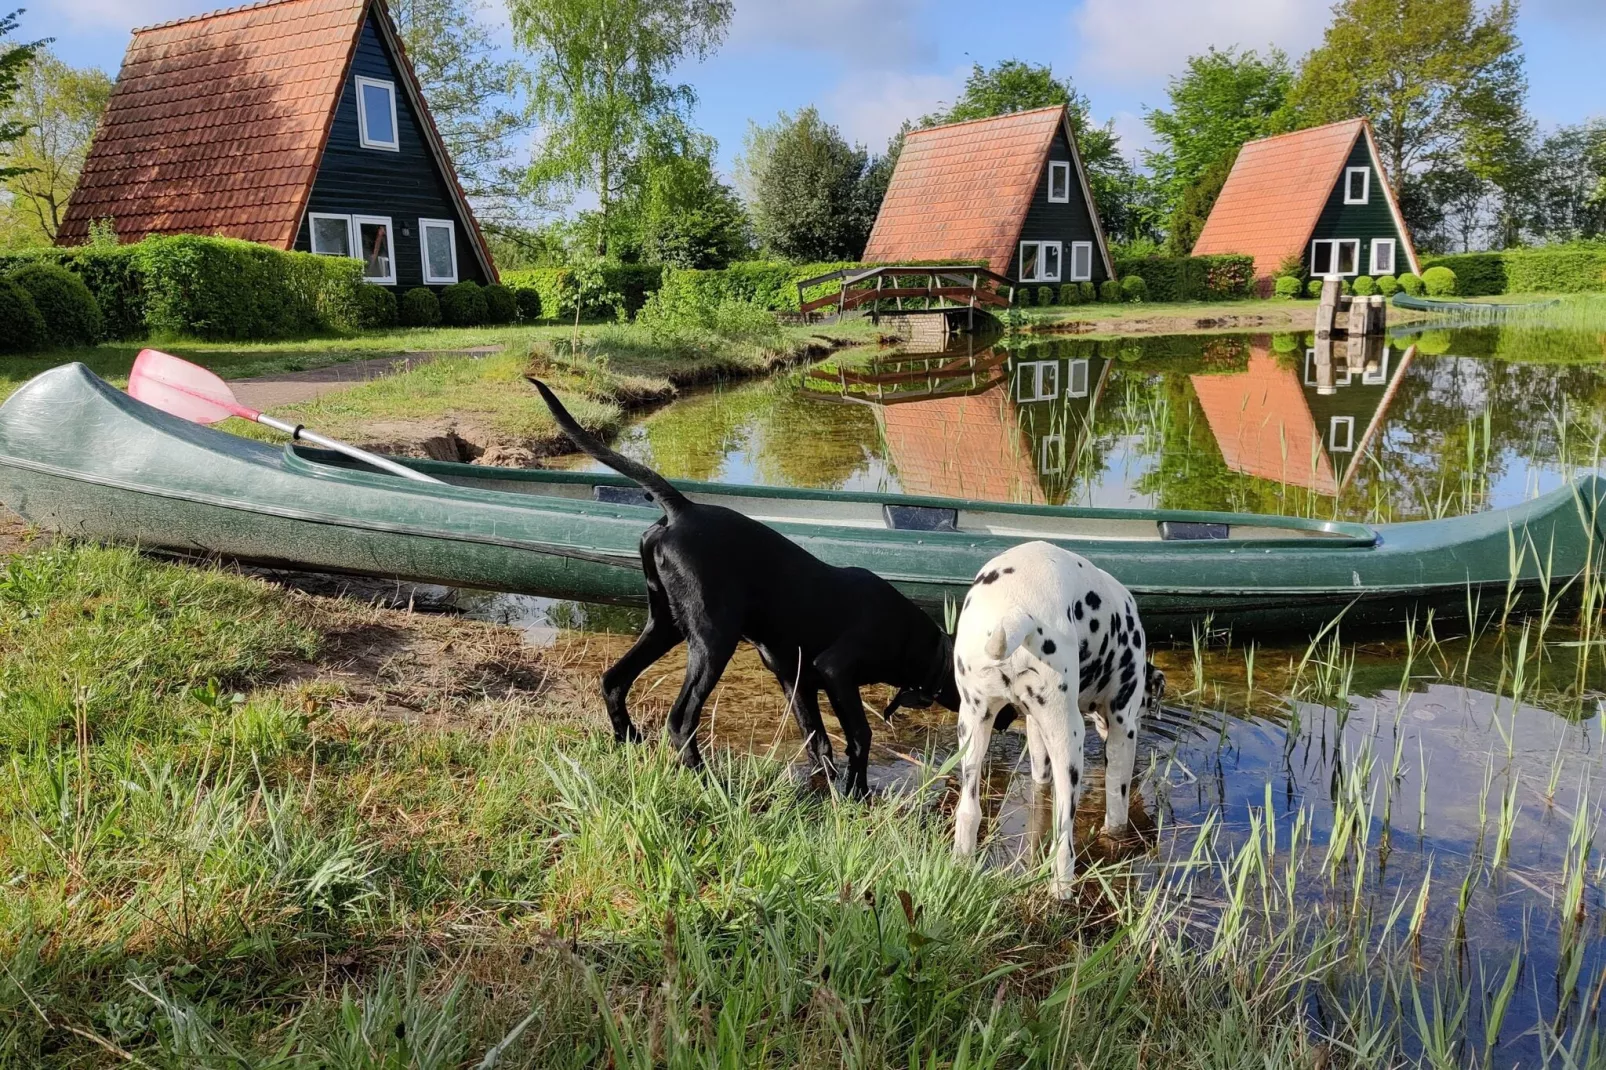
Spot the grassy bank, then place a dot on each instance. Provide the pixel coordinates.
(287, 832)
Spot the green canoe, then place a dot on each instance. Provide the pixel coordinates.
(80, 457)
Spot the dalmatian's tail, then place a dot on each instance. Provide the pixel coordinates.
(1008, 634)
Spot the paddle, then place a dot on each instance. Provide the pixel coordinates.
(192, 393)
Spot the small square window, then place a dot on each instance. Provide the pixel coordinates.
(1341, 434)
(1357, 185)
(1383, 256)
(439, 240)
(374, 249)
(376, 114)
(1076, 379)
(331, 234)
(1081, 261)
(1059, 181)
(1051, 459)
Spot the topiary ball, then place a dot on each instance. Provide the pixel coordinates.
(22, 328)
(1110, 292)
(376, 307)
(420, 308)
(1045, 295)
(1133, 288)
(1088, 291)
(1070, 294)
(1388, 285)
(1285, 343)
(1363, 286)
(1439, 281)
(528, 300)
(1411, 284)
(1433, 343)
(463, 304)
(500, 305)
(1314, 287)
(1287, 287)
(72, 318)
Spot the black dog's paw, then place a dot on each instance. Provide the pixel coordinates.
(629, 734)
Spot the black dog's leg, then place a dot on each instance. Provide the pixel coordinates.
(657, 639)
(843, 691)
(805, 703)
(706, 658)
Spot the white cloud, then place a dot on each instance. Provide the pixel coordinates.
(869, 107)
(1134, 133)
(127, 14)
(887, 34)
(1141, 42)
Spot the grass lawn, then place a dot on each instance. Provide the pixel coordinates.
(247, 827)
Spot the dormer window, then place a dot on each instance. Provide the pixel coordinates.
(1059, 181)
(376, 114)
(1357, 184)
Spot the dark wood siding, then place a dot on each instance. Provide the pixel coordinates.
(405, 185)
(1064, 223)
(1364, 221)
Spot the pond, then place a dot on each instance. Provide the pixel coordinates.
(1425, 808)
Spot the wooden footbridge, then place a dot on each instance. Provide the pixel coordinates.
(917, 299)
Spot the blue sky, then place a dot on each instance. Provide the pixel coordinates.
(868, 64)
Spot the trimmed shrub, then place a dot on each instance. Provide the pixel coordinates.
(22, 328)
(1070, 294)
(1285, 343)
(1573, 267)
(1314, 287)
(528, 301)
(1287, 287)
(72, 318)
(1110, 292)
(1133, 288)
(500, 306)
(376, 307)
(1439, 281)
(1089, 292)
(1193, 278)
(1364, 286)
(1411, 284)
(225, 288)
(1045, 295)
(463, 304)
(420, 308)
(630, 282)
(113, 275)
(1433, 343)
(1388, 285)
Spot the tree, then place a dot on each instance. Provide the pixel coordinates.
(473, 96)
(1571, 187)
(600, 84)
(1222, 100)
(686, 216)
(58, 107)
(1010, 86)
(809, 200)
(14, 63)
(1198, 197)
(1440, 81)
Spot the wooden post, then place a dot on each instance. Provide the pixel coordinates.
(1358, 311)
(1325, 385)
(1378, 320)
(1327, 307)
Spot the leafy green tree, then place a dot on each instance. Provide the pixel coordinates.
(1222, 99)
(601, 84)
(1571, 188)
(58, 108)
(14, 63)
(686, 216)
(1193, 207)
(806, 179)
(1010, 86)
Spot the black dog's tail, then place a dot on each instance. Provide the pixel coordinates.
(662, 491)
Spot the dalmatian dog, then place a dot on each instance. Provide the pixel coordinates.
(1047, 633)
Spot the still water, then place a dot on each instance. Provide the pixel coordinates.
(1446, 788)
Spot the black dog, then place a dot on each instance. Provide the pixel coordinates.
(715, 577)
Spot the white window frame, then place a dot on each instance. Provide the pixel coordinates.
(312, 233)
(1076, 378)
(390, 240)
(1051, 455)
(1061, 168)
(362, 116)
(1366, 185)
(1393, 256)
(424, 227)
(1347, 424)
(1085, 248)
(1036, 375)
(1341, 373)
(1334, 257)
(1381, 376)
(1042, 276)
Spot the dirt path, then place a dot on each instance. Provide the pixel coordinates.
(13, 532)
(294, 388)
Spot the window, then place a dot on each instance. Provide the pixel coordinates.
(1076, 378)
(1059, 181)
(438, 239)
(1335, 256)
(1341, 376)
(1357, 184)
(1039, 261)
(1341, 434)
(376, 114)
(1037, 380)
(1051, 456)
(374, 248)
(1382, 256)
(1081, 261)
(331, 234)
(1378, 374)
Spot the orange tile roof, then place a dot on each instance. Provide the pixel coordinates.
(217, 123)
(1263, 425)
(1276, 191)
(961, 447)
(961, 191)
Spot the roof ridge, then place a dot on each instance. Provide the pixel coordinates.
(983, 119)
(1307, 130)
(203, 16)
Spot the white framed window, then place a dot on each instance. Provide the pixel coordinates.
(1051, 455)
(374, 248)
(437, 240)
(330, 234)
(1335, 256)
(1341, 434)
(1081, 261)
(1341, 372)
(1059, 181)
(1380, 374)
(376, 114)
(1037, 380)
(1382, 256)
(1357, 184)
(1076, 378)
(1039, 261)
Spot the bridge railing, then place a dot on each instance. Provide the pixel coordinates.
(950, 285)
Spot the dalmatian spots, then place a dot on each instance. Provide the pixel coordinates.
(1048, 645)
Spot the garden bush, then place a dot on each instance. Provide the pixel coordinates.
(1192, 278)
(69, 311)
(114, 276)
(1070, 294)
(1439, 281)
(1388, 285)
(1287, 287)
(1088, 291)
(225, 288)
(1314, 287)
(500, 305)
(1364, 286)
(528, 301)
(420, 308)
(1285, 343)
(1134, 288)
(22, 328)
(463, 304)
(377, 307)
(1045, 295)
(1573, 267)
(629, 285)
(1411, 284)
(1110, 292)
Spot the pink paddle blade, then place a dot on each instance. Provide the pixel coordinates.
(183, 389)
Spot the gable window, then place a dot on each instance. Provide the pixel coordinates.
(376, 114)
(1039, 261)
(1051, 458)
(1076, 378)
(1357, 184)
(1059, 181)
(1341, 434)
(1037, 380)
(438, 237)
(331, 234)
(1382, 256)
(1335, 256)
(1081, 261)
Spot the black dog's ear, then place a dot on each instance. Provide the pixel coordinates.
(910, 697)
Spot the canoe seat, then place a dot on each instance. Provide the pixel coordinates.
(621, 495)
(1189, 531)
(920, 518)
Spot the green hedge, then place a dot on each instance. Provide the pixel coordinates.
(1193, 278)
(114, 275)
(555, 285)
(1579, 267)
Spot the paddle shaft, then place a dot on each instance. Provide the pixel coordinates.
(300, 434)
